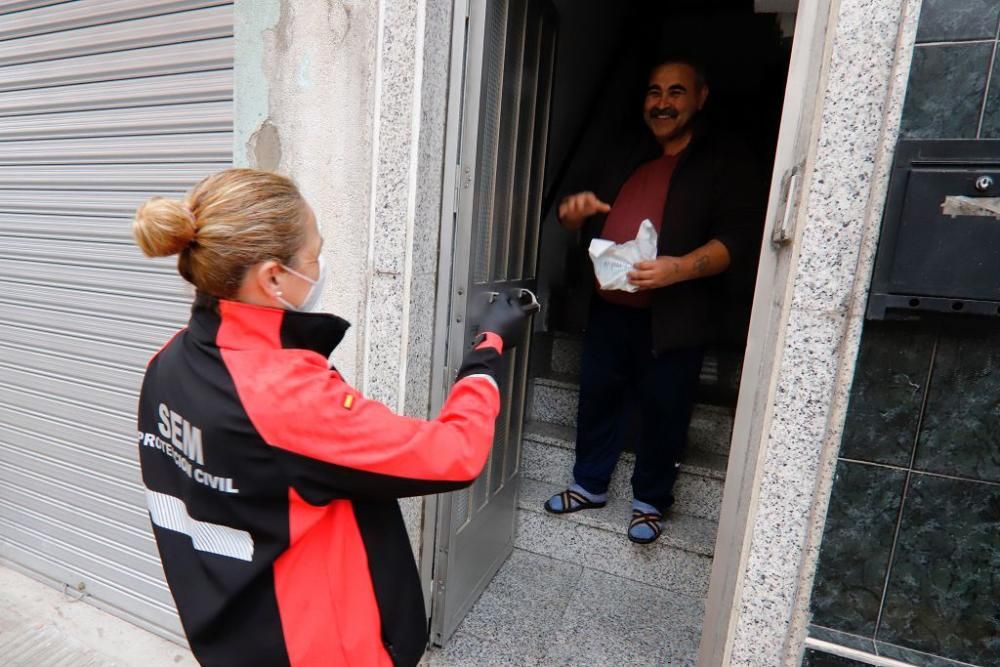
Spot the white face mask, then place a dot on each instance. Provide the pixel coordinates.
(311, 302)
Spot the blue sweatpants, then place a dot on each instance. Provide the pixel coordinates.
(619, 367)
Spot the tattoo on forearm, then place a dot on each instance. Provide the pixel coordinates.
(701, 264)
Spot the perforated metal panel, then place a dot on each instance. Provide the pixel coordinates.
(103, 103)
(489, 138)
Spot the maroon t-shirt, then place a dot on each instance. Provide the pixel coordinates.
(642, 197)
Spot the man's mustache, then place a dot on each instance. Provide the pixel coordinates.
(666, 112)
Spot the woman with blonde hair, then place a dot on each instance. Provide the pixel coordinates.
(271, 482)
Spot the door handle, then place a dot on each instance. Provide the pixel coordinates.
(783, 229)
(531, 306)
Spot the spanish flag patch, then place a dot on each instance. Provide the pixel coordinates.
(349, 401)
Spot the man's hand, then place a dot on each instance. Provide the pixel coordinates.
(573, 210)
(659, 272)
(708, 260)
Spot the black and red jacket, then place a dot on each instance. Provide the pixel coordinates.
(272, 488)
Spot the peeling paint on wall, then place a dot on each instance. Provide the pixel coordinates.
(304, 107)
(265, 147)
(338, 18)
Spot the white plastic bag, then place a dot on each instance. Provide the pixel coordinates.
(613, 262)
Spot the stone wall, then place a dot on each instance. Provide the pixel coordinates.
(911, 546)
(812, 320)
(349, 99)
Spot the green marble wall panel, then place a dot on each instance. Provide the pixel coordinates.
(850, 577)
(991, 114)
(817, 659)
(887, 393)
(960, 435)
(954, 20)
(944, 97)
(943, 596)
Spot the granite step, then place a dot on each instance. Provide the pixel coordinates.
(543, 611)
(547, 456)
(554, 400)
(680, 561)
(566, 353)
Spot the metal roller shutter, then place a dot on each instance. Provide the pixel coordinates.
(103, 103)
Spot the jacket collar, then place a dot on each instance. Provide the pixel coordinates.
(242, 326)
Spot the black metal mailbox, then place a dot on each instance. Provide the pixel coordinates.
(940, 243)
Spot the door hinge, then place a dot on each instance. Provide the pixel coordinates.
(463, 181)
(783, 231)
(448, 377)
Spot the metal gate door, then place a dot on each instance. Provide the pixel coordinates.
(102, 104)
(509, 64)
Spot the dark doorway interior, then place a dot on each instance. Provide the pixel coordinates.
(604, 54)
(575, 590)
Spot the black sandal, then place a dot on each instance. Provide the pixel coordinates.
(572, 501)
(653, 520)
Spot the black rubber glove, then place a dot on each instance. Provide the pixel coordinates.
(506, 318)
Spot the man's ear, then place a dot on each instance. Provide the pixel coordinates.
(702, 97)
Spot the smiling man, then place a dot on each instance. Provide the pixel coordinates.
(701, 194)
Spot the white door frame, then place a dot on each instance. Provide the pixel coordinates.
(794, 156)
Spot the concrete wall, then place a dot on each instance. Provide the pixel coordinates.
(348, 97)
(304, 97)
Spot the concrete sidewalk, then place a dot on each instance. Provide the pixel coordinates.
(40, 626)
(534, 613)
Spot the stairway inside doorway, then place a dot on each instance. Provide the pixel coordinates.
(576, 591)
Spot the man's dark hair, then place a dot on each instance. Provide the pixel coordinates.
(691, 61)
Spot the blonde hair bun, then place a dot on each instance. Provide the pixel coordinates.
(163, 227)
(242, 216)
